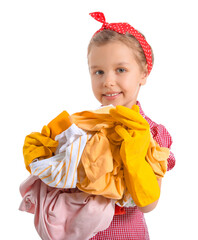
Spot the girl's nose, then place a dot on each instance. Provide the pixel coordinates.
(109, 80)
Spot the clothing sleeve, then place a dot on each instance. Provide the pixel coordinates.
(163, 138)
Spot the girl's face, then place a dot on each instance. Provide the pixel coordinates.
(115, 74)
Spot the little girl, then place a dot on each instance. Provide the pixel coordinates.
(120, 60)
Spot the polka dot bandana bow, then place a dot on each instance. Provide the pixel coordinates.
(122, 28)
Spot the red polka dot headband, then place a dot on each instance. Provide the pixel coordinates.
(122, 28)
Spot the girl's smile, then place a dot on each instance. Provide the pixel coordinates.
(109, 96)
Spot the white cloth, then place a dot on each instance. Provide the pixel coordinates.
(61, 170)
(126, 203)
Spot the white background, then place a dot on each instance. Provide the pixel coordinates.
(43, 71)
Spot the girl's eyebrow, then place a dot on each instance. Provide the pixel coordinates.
(122, 63)
(94, 67)
(117, 64)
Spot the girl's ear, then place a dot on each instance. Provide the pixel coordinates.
(144, 77)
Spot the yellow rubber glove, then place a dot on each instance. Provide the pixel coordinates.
(129, 117)
(38, 145)
(59, 124)
(140, 179)
(42, 145)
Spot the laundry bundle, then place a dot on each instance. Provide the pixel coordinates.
(87, 163)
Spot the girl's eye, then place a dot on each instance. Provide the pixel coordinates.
(121, 70)
(99, 72)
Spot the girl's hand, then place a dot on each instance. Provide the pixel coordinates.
(139, 177)
(131, 118)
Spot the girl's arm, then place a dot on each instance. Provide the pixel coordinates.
(151, 206)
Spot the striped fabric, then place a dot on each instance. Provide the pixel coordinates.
(61, 170)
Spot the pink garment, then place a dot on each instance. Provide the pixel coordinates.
(65, 214)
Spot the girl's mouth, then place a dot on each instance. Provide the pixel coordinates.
(111, 96)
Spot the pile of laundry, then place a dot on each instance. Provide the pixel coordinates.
(82, 166)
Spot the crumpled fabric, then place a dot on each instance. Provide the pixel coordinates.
(100, 171)
(103, 150)
(61, 170)
(65, 214)
(157, 158)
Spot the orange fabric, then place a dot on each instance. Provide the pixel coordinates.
(100, 172)
(97, 158)
(157, 158)
(93, 120)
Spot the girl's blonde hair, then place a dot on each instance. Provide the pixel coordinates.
(129, 40)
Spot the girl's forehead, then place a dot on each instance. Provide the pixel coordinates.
(111, 50)
(110, 44)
